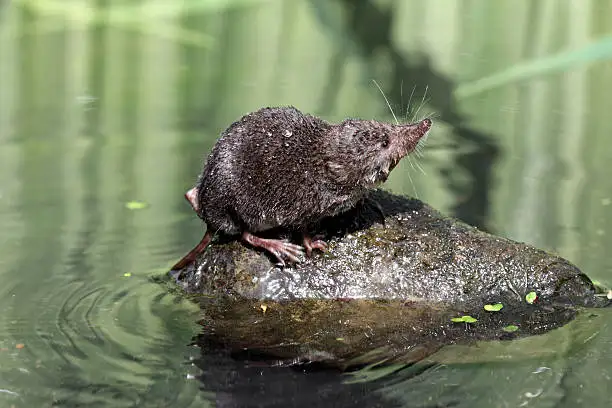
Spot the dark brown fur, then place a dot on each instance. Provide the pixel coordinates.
(278, 167)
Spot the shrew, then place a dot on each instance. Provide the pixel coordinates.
(278, 167)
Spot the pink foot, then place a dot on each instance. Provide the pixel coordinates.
(193, 254)
(280, 249)
(311, 244)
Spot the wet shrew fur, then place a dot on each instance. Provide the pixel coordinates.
(278, 167)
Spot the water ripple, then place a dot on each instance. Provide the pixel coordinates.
(119, 342)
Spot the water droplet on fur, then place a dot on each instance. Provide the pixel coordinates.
(288, 133)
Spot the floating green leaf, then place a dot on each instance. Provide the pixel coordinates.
(510, 328)
(127, 274)
(464, 319)
(493, 308)
(531, 297)
(136, 205)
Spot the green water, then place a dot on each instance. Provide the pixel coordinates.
(107, 102)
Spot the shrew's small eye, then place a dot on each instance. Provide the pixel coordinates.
(385, 143)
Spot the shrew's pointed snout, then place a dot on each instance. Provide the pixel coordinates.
(413, 132)
(425, 125)
(418, 129)
(409, 135)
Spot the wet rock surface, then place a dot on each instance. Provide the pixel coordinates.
(418, 254)
(383, 291)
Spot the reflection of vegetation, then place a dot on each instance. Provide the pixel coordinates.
(597, 51)
(132, 16)
(121, 12)
(136, 17)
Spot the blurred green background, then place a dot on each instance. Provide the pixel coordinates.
(107, 102)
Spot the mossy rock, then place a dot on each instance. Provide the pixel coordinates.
(383, 291)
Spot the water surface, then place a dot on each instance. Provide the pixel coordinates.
(109, 102)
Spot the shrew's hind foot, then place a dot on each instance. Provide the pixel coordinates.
(310, 244)
(281, 249)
